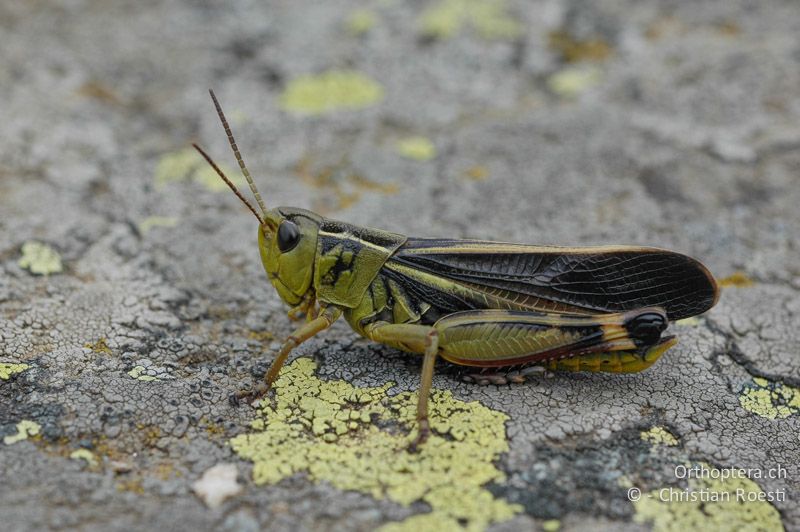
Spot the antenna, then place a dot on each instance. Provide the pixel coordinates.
(238, 155)
(228, 182)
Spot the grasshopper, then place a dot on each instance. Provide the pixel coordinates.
(472, 302)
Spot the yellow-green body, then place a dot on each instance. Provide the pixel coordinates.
(366, 275)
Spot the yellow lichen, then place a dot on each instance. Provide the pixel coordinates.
(84, 454)
(660, 436)
(157, 221)
(187, 164)
(138, 373)
(330, 91)
(771, 400)
(736, 279)
(709, 504)
(489, 18)
(417, 148)
(624, 481)
(571, 81)
(360, 21)
(176, 166)
(100, 346)
(551, 525)
(40, 258)
(206, 176)
(8, 369)
(25, 428)
(438, 521)
(327, 429)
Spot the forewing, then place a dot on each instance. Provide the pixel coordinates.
(588, 279)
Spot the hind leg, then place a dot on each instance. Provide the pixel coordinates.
(414, 338)
(498, 338)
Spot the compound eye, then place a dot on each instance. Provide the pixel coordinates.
(288, 236)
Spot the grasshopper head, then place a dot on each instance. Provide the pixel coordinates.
(287, 241)
(287, 237)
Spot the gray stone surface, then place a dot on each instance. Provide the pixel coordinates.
(689, 139)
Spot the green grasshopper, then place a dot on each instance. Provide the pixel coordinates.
(472, 302)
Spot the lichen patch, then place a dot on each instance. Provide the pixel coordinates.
(659, 436)
(417, 148)
(7, 369)
(84, 454)
(356, 438)
(187, 165)
(709, 504)
(334, 90)
(40, 259)
(489, 18)
(771, 400)
(25, 429)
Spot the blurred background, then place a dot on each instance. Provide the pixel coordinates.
(671, 124)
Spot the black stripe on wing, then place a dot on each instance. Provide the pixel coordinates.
(610, 279)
